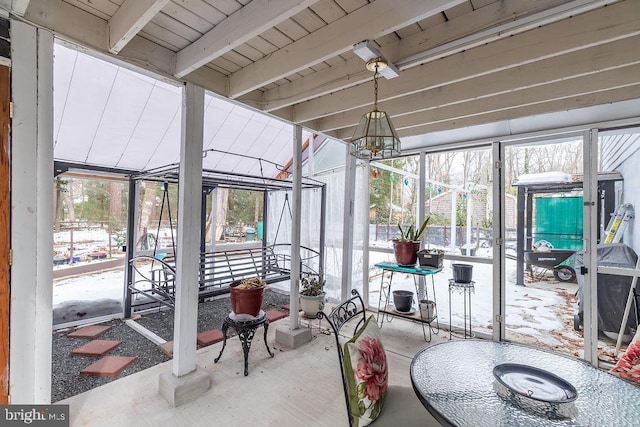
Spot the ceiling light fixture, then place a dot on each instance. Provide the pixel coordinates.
(367, 51)
(375, 137)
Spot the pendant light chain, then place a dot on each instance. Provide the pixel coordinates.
(375, 88)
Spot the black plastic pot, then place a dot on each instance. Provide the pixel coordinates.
(462, 273)
(403, 300)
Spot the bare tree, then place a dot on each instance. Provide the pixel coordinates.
(148, 206)
(115, 202)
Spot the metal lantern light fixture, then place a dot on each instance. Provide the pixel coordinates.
(375, 137)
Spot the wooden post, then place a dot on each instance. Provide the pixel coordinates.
(347, 225)
(296, 202)
(188, 254)
(31, 219)
(5, 209)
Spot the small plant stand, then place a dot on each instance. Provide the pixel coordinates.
(465, 288)
(386, 310)
(246, 327)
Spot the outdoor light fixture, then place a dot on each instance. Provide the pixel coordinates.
(375, 137)
(367, 51)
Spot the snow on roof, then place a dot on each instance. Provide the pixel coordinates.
(544, 178)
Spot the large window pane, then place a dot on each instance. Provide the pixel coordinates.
(544, 179)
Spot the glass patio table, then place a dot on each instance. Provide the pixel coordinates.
(455, 382)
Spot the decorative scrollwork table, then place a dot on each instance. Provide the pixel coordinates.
(246, 327)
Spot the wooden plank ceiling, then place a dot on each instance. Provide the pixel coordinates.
(461, 62)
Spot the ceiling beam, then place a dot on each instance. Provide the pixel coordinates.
(129, 19)
(590, 29)
(69, 22)
(580, 101)
(19, 7)
(240, 27)
(90, 32)
(368, 22)
(571, 88)
(496, 17)
(585, 62)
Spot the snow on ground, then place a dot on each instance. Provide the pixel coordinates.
(105, 284)
(535, 314)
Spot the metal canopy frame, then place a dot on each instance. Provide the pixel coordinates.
(212, 179)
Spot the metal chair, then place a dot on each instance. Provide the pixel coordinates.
(401, 406)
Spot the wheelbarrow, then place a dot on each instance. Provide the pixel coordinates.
(553, 260)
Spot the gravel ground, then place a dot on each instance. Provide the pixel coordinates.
(66, 379)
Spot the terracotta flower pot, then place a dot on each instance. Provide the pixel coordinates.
(246, 301)
(406, 252)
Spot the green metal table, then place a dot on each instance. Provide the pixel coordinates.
(387, 311)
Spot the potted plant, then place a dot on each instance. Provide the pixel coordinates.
(247, 295)
(312, 294)
(406, 247)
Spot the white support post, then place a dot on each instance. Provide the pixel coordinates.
(347, 225)
(590, 287)
(499, 265)
(214, 218)
(422, 212)
(468, 236)
(294, 336)
(188, 250)
(296, 202)
(366, 178)
(31, 219)
(454, 229)
(187, 381)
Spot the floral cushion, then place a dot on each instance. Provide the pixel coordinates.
(628, 366)
(366, 373)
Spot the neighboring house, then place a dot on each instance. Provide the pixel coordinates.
(481, 207)
(621, 152)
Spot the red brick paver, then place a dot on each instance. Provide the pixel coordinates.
(108, 366)
(209, 337)
(95, 348)
(274, 315)
(91, 332)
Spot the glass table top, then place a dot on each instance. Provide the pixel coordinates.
(455, 381)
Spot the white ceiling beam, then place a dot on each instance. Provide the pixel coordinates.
(580, 101)
(591, 29)
(368, 22)
(19, 6)
(563, 89)
(605, 97)
(240, 27)
(69, 22)
(585, 62)
(129, 19)
(89, 31)
(496, 16)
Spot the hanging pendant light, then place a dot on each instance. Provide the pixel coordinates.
(375, 137)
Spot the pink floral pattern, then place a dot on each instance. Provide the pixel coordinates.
(629, 364)
(372, 368)
(366, 373)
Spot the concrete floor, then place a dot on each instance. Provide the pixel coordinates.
(300, 387)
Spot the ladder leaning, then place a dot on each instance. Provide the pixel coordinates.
(618, 223)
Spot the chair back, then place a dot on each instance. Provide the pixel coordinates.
(339, 316)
